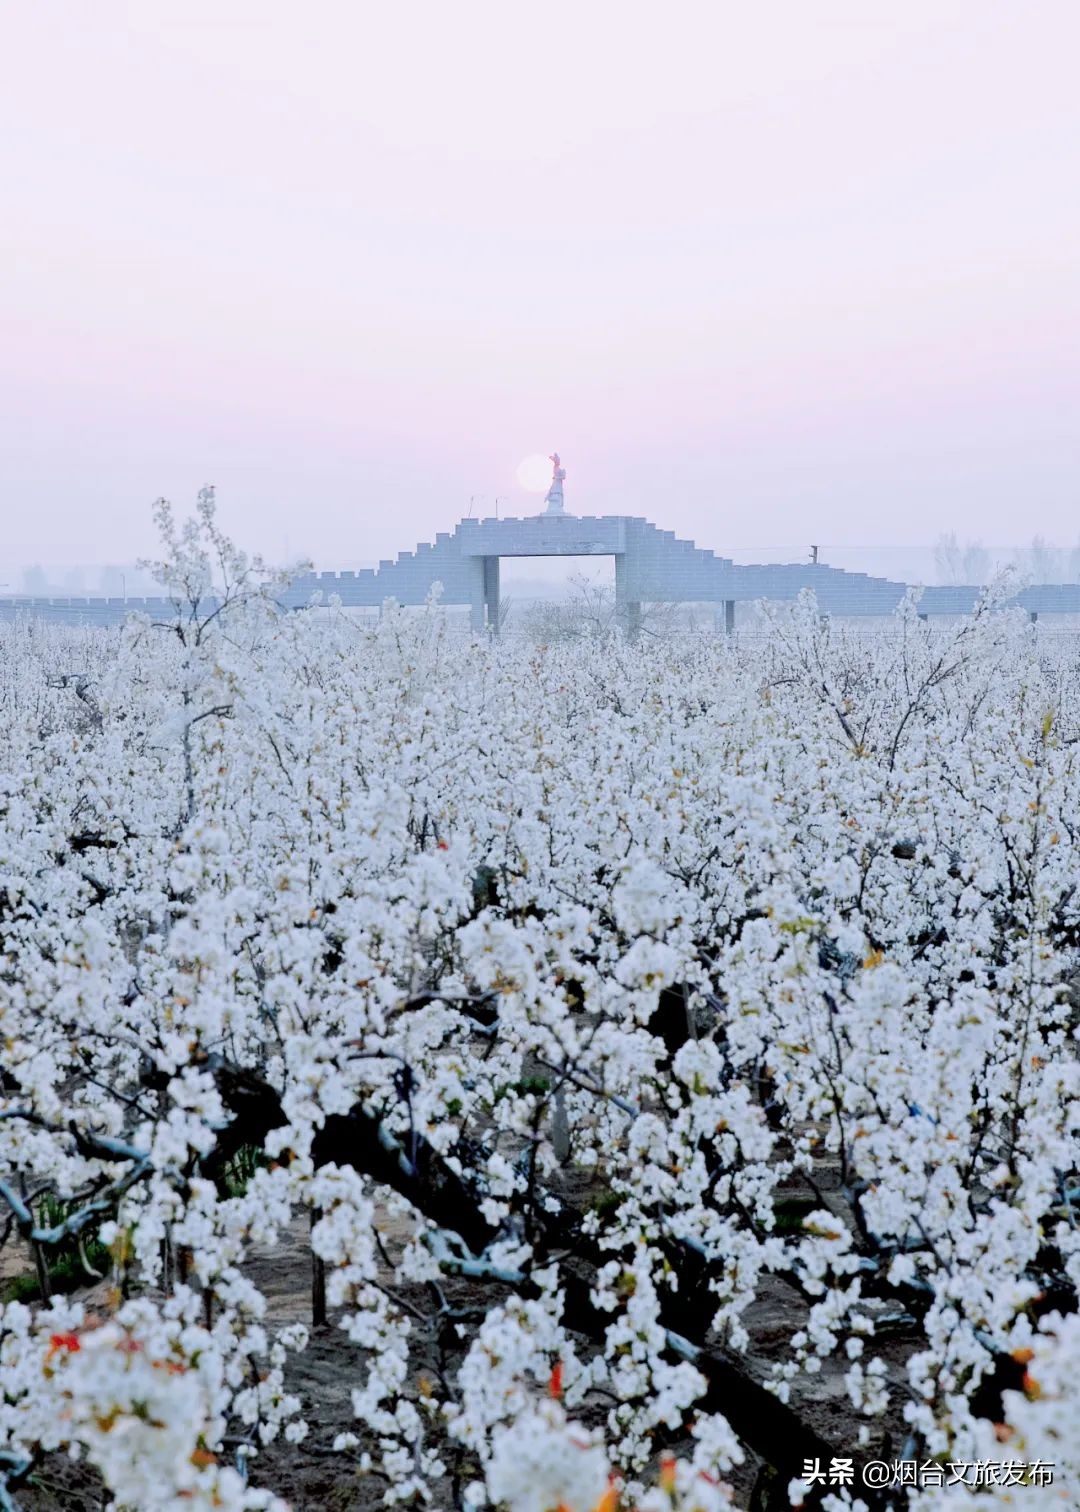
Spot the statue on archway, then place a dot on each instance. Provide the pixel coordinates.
(554, 496)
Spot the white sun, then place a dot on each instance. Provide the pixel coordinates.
(534, 473)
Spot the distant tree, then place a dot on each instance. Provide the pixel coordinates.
(976, 563)
(948, 558)
(954, 563)
(1044, 561)
(591, 612)
(587, 613)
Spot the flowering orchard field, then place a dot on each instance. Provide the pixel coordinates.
(656, 1064)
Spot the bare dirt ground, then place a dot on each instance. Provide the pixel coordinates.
(312, 1478)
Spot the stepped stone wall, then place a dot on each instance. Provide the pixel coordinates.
(651, 566)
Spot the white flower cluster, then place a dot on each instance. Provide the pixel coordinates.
(1038, 1426)
(143, 1394)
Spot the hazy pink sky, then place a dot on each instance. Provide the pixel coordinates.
(763, 272)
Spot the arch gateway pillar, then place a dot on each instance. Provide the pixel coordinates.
(627, 605)
(484, 593)
(725, 617)
(491, 593)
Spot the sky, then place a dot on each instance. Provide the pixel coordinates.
(765, 274)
